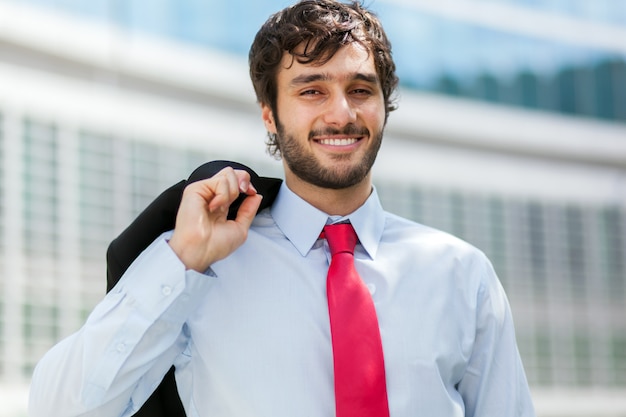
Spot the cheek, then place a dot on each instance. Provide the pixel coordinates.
(375, 119)
(296, 121)
(373, 112)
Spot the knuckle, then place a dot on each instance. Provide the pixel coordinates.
(227, 171)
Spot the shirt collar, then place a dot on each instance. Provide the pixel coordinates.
(302, 223)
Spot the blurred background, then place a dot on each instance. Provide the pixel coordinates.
(511, 134)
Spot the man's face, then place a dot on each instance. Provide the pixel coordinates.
(330, 118)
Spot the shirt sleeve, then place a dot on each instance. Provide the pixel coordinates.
(495, 383)
(130, 340)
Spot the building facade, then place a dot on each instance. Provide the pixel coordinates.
(508, 135)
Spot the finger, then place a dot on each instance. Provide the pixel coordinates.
(245, 186)
(248, 209)
(225, 186)
(232, 183)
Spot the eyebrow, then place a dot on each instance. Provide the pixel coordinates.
(309, 78)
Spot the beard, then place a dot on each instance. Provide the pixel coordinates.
(306, 167)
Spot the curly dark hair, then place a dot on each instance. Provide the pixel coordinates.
(323, 27)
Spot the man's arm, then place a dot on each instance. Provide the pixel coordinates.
(130, 340)
(158, 217)
(111, 365)
(495, 382)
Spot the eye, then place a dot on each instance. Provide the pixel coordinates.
(361, 91)
(310, 92)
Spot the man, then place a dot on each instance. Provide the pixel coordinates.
(240, 306)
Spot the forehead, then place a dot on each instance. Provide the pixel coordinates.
(349, 61)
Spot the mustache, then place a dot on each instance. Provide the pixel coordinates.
(349, 130)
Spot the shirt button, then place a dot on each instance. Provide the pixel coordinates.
(121, 347)
(371, 288)
(166, 290)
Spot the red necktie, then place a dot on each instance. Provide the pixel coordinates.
(360, 388)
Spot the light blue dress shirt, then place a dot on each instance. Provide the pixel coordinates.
(251, 337)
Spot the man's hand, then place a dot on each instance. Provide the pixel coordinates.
(202, 234)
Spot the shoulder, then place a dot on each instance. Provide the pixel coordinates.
(404, 231)
(425, 242)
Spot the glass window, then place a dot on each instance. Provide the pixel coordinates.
(40, 187)
(96, 193)
(576, 256)
(40, 330)
(543, 358)
(618, 351)
(582, 358)
(498, 235)
(2, 195)
(612, 226)
(537, 249)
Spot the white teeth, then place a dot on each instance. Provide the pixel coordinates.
(338, 142)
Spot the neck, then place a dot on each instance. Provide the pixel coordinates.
(333, 202)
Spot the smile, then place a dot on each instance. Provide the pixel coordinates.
(338, 142)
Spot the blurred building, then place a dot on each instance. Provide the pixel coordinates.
(511, 134)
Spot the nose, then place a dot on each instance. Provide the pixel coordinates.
(340, 111)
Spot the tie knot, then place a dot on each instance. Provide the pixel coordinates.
(341, 238)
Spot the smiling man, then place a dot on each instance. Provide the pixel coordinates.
(323, 304)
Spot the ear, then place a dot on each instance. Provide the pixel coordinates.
(268, 118)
